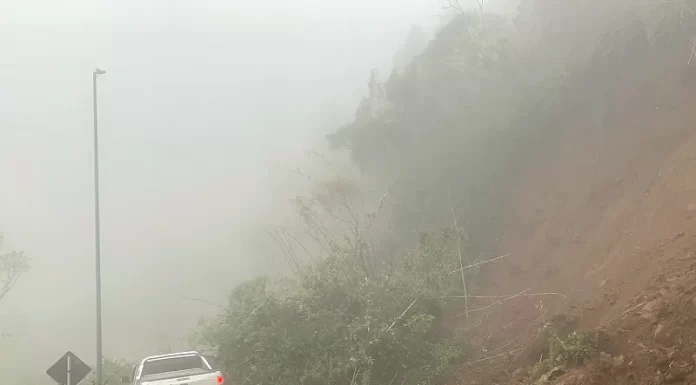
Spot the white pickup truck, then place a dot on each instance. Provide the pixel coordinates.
(185, 368)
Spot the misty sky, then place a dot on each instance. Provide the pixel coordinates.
(202, 101)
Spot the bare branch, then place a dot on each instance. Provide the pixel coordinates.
(202, 301)
(507, 296)
(287, 254)
(504, 299)
(492, 357)
(480, 263)
(620, 315)
(454, 4)
(693, 51)
(294, 238)
(496, 303)
(459, 250)
(373, 215)
(405, 311)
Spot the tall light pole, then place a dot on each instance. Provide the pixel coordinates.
(97, 236)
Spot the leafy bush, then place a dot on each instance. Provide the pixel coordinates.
(480, 102)
(331, 325)
(112, 372)
(573, 351)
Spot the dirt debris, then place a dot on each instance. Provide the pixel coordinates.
(618, 243)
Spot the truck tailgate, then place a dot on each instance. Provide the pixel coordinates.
(197, 379)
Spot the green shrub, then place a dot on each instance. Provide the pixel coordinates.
(573, 351)
(322, 327)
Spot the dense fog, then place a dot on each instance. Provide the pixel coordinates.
(205, 107)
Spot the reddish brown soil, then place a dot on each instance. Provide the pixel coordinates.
(604, 231)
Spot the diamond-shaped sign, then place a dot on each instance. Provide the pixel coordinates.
(59, 371)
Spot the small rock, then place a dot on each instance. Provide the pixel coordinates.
(651, 306)
(661, 358)
(678, 371)
(659, 378)
(659, 331)
(651, 309)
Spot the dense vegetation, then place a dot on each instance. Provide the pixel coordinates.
(468, 112)
(329, 325)
(112, 372)
(345, 317)
(449, 131)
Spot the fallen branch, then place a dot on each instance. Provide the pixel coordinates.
(405, 311)
(480, 263)
(504, 299)
(682, 293)
(459, 250)
(693, 51)
(491, 357)
(539, 321)
(493, 304)
(620, 315)
(202, 301)
(506, 296)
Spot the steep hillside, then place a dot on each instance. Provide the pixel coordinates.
(567, 142)
(604, 217)
(561, 141)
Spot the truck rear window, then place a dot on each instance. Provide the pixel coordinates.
(173, 364)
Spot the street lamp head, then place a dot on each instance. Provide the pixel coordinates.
(99, 71)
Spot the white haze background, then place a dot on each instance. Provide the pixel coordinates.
(203, 103)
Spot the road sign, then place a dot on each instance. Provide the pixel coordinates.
(68, 370)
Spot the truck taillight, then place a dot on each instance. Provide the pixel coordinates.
(220, 380)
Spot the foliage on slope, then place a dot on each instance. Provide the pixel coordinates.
(469, 111)
(449, 130)
(328, 325)
(344, 317)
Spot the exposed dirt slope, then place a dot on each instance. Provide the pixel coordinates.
(604, 230)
